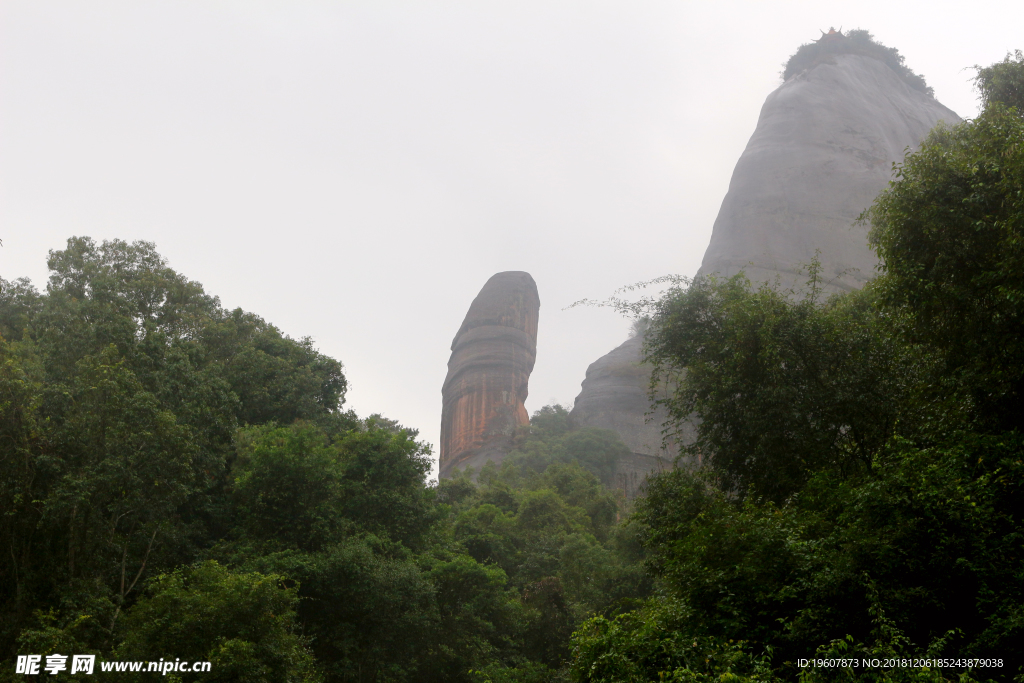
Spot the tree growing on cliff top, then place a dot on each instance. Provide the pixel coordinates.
(853, 42)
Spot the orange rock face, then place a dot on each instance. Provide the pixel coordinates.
(489, 372)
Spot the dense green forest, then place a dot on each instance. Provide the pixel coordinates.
(183, 481)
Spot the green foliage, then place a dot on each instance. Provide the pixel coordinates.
(146, 432)
(385, 473)
(244, 624)
(121, 396)
(547, 521)
(550, 440)
(19, 303)
(288, 488)
(475, 615)
(864, 454)
(293, 488)
(526, 526)
(784, 383)
(931, 533)
(277, 379)
(177, 340)
(1002, 82)
(918, 558)
(549, 423)
(654, 644)
(949, 232)
(531, 672)
(369, 615)
(853, 42)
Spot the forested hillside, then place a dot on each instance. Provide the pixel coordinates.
(182, 481)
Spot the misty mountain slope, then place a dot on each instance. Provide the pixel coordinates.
(823, 148)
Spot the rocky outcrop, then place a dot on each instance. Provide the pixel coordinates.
(615, 396)
(488, 373)
(823, 149)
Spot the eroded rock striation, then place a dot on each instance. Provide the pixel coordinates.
(823, 149)
(489, 372)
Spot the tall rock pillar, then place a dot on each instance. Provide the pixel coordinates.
(489, 372)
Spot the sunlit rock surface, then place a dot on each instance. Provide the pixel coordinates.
(823, 149)
(489, 372)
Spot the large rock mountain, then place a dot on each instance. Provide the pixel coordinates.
(823, 149)
(489, 372)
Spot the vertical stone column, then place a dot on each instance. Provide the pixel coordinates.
(489, 372)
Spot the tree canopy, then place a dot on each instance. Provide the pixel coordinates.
(183, 480)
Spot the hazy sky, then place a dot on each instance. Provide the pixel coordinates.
(355, 171)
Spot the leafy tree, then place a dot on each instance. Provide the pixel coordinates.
(477, 621)
(874, 441)
(177, 340)
(120, 408)
(276, 379)
(949, 232)
(549, 423)
(784, 383)
(342, 517)
(19, 303)
(546, 520)
(370, 614)
(550, 439)
(288, 489)
(243, 624)
(1002, 82)
(385, 475)
(295, 488)
(20, 489)
(923, 546)
(98, 474)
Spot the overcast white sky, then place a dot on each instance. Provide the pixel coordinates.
(355, 171)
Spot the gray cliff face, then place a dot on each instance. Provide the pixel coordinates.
(823, 149)
(615, 396)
